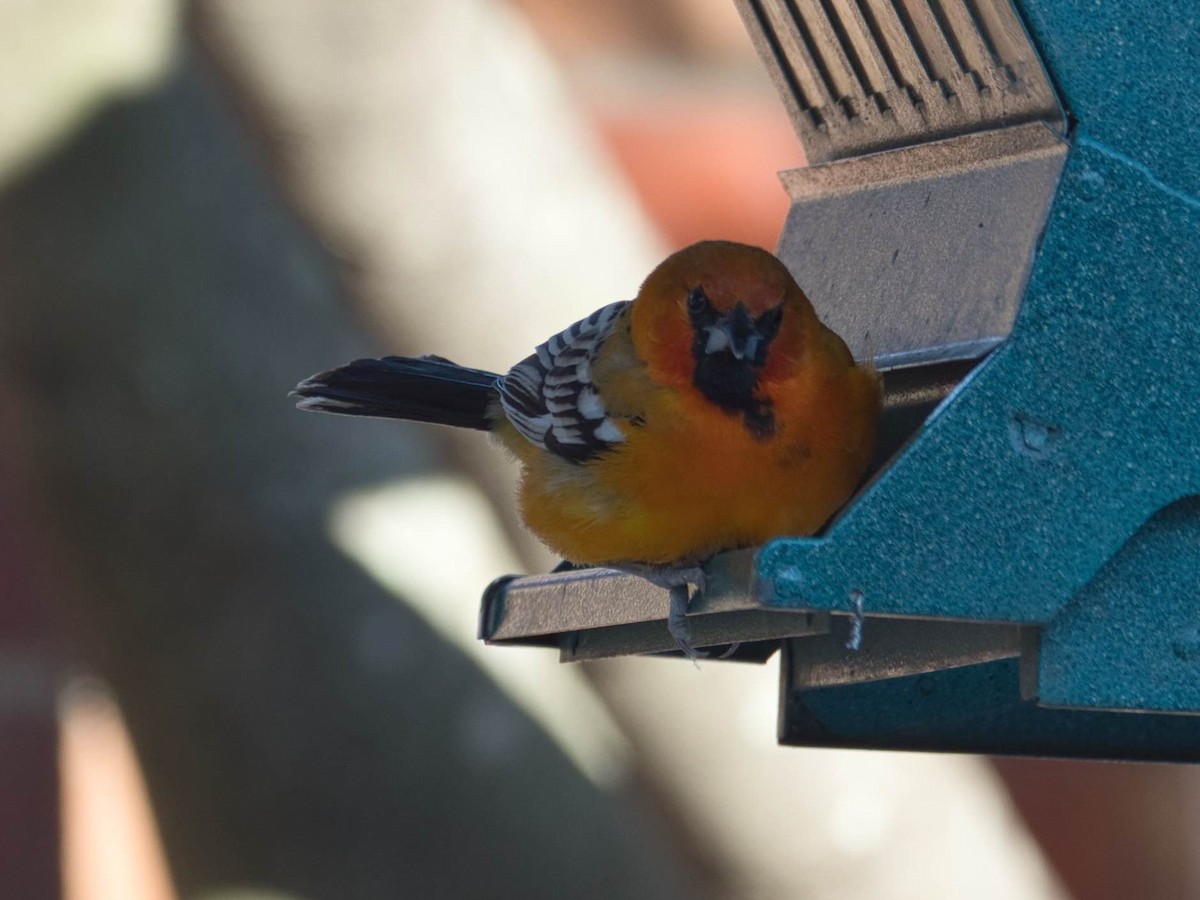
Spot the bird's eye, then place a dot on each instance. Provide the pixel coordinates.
(697, 302)
(768, 322)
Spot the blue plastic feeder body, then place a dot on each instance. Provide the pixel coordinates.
(1056, 486)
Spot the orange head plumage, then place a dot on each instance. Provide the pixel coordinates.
(724, 319)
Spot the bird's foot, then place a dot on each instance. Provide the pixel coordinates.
(677, 623)
(677, 580)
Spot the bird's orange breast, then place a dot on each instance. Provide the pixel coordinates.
(691, 479)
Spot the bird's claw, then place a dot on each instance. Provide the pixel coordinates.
(677, 581)
(677, 623)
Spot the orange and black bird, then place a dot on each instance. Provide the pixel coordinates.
(711, 412)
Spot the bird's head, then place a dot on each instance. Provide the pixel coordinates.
(723, 318)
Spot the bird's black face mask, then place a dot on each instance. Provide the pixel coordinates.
(729, 350)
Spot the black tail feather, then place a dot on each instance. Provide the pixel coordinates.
(423, 388)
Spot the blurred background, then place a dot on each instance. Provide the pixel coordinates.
(237, 643)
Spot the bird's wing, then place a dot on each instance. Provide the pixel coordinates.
(550, 397)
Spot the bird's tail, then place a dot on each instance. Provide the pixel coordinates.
(423, 388)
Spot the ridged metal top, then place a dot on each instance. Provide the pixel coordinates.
(860, 76)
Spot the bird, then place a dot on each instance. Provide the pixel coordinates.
(713, 411)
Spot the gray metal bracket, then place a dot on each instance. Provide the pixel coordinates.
(921, 254)
(598, 613)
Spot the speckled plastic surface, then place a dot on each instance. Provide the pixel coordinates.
(1050, 458)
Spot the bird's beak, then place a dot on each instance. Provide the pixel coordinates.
(737, 332)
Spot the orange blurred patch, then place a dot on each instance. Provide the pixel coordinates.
(706, 170)
(111, 846)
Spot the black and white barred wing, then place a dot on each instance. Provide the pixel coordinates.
(550, 398)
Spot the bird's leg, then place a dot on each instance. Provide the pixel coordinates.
(677, 580)
(677, 623)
